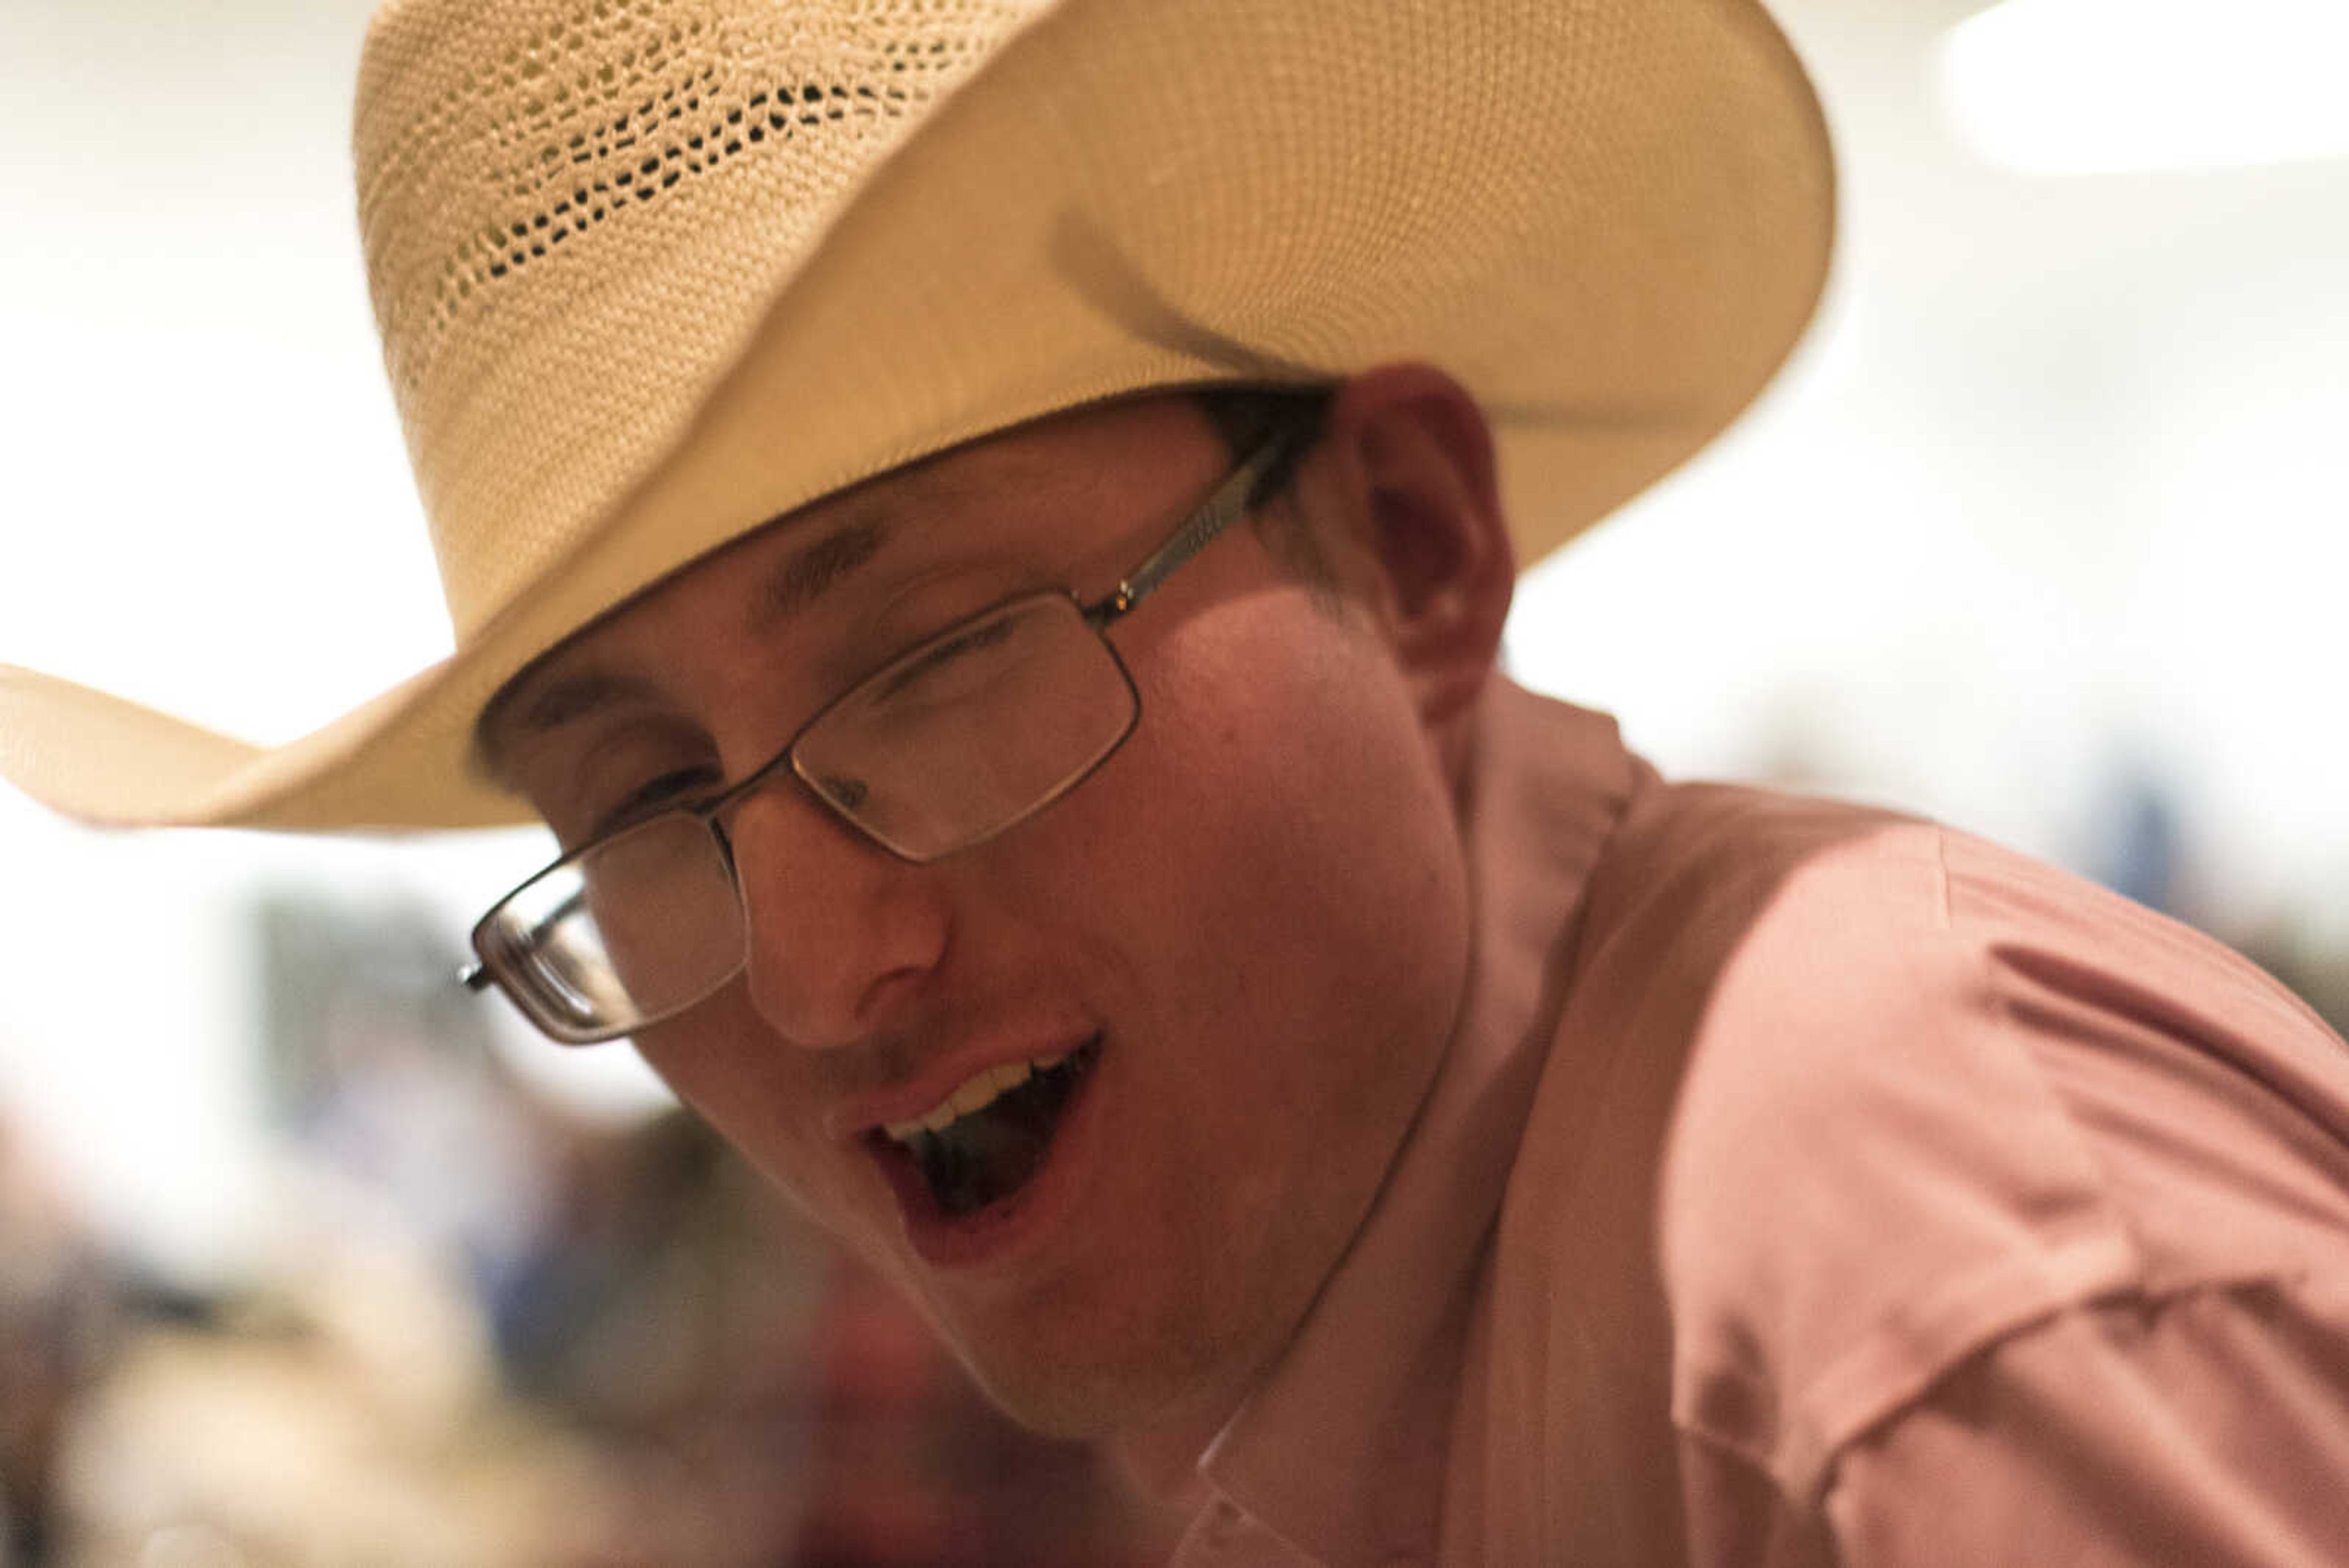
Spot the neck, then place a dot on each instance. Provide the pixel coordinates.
(1161, 1454)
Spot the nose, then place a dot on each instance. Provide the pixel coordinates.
(841, 933)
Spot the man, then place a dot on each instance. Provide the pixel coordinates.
(984, 531)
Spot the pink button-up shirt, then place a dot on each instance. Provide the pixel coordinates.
(1809, 1185)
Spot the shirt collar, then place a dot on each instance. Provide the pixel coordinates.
(1340, 1449)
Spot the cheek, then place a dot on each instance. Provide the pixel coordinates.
(757, 1094)
(1301, 795)
(1298, 897)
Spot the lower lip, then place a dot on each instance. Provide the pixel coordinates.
(1006, 1230)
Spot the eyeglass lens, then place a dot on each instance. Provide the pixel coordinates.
(952, 742)
(972, 731)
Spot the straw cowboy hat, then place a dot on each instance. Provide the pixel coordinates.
(651, 273)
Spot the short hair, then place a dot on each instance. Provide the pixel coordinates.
(1243, 417)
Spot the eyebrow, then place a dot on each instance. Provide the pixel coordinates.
(807, 575)
(556, 705)
(788, 590)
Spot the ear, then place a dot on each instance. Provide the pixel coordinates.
(1406, 462)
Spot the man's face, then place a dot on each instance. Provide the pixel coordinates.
(1249, 926)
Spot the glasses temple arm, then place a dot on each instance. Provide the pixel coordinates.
(1258, 476)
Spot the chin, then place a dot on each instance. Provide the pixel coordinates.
(1060, 1396)
(1086, 1382)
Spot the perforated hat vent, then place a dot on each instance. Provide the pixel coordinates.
(608, 182)
(617, 103)
(542, 182)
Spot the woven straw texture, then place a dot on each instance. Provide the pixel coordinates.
(650, 273)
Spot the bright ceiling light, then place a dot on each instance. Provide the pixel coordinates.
(2087, 87)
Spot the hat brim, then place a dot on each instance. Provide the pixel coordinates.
(1610, 219)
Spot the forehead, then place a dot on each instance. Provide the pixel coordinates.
(1045, 493)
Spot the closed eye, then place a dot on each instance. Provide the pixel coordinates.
(930, 660)
(668, 791)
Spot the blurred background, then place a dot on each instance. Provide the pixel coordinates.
(306, 1257)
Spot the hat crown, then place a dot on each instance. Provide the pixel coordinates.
(538, 182)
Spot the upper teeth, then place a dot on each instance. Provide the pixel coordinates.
(979, 1091)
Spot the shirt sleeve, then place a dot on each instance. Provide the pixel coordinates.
(2207, 1431)
(2004, 1223)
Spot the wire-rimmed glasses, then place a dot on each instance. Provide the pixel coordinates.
(956, 740)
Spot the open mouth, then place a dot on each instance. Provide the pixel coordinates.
(986, 1143)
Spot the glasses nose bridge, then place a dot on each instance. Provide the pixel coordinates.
(780, 769)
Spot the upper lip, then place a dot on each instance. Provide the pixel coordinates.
(862, 1115)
